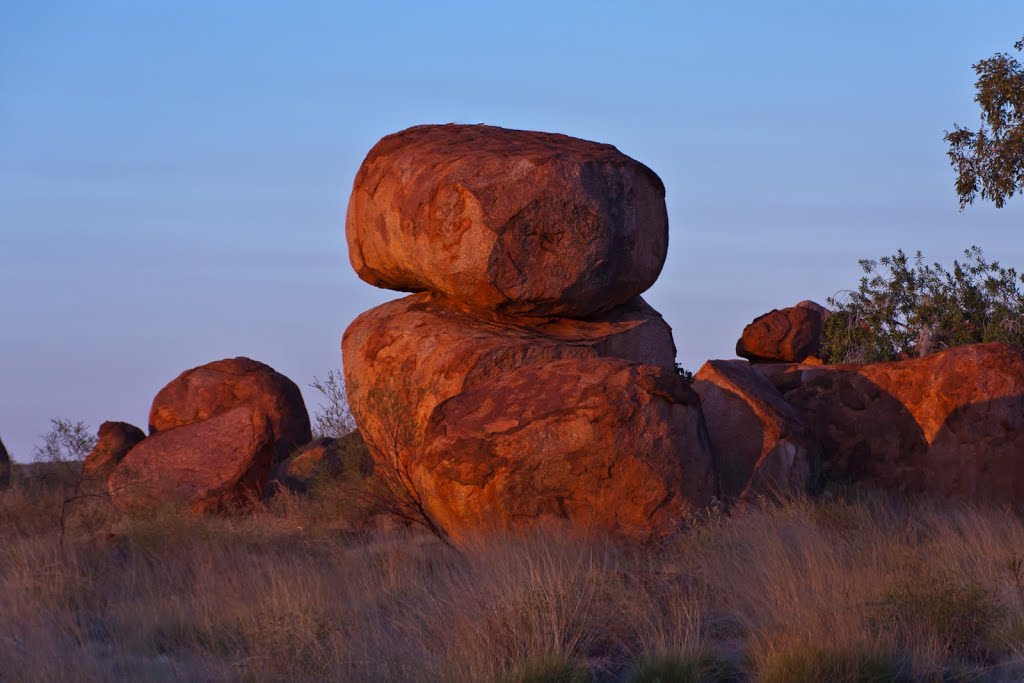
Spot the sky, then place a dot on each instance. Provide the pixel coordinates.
(174, 175)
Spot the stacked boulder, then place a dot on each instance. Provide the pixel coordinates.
(216, 432)
(524, 380)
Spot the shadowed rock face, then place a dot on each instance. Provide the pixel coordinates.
(5, 467)
(950, 424)
(406, 356)
(207, 466)
(787, 335)
(607, 445)
(517, 222)
(761, 444)
(209, 390)
(113, 442)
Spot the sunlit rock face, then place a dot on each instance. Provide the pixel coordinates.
(512, 221)
(216, 431)
(950, 424)
(790, 335)
(525, 382)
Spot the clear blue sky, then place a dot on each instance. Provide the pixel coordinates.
(174, 175)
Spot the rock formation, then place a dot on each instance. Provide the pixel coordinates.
(511, 221)
(526, 380)
(5, 467)
(762, 445)
(787, 336)
(113, 441)
(216, 433)
(949, 424)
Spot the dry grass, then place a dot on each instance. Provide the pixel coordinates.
(852, 588)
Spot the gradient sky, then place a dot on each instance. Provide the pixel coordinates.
(174, 176)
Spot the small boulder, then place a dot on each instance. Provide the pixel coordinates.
(5, 467)
(215, 388)
(517, 222)
(788, 336)
(113, 441)
(949, 424)
(207, 466)
(607, 445)
(761, 444)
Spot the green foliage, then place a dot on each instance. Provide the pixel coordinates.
(905, 307)
(990, 161)
(958, 616)
(685, 374)
(551, 669)
(809, 664)
(66, 441)
(682, 669)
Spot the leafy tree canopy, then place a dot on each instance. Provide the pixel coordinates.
(905, 307)
(990, 161)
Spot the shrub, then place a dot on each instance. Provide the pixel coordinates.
(333, 418)
(904, 307)
(682, 669)
(957, 616)
(66, 441)
(808, 664)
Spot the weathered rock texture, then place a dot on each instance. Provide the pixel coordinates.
(216, 432)
(762, 445)
(113, 441)
(208, 466)
(525, 381)
(606, 444)
(423, 349)
(787, 335)
(5, 467)
(518, 222)
(209, 390)
(950, 424)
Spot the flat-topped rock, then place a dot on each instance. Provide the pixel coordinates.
(518, 222)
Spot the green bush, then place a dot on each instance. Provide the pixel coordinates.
(958, 616)
(905, 308)
(806, 664)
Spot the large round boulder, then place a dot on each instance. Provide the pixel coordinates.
(762, 446)
(604, 444)
(215, 388)
(404, 357)
(787, 335)
(950, 424)
(517, 222)
(212, 465)
(113, 441)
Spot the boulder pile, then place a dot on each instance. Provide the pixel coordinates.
(524, 380)
(950, 424)
(216, 432)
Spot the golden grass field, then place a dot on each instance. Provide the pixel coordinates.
(848, 587)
